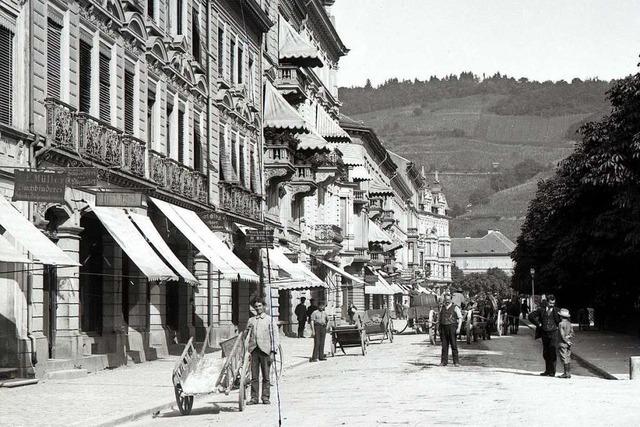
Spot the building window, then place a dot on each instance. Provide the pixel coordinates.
(85, 77)
(240, 64)
(105, 92)
(178, 17)
(169, 131)
(151, 103)
(421, 259)
(195, 35)
(220, 52)
(252, 84)
(241, 158)
(150, 8)
(128, 102)
(54, 34)
(181, 136)
(252, 171)
(197, 148)
(222, 157)
(234, 154)
(232, 60)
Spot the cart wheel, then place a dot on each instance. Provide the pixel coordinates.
(185, 403)
(406, 325)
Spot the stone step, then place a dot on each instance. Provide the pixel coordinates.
(18, 382)
(66, 374)
(92, 363)
(8, 373)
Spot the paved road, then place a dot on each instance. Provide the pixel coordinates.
(401, 384)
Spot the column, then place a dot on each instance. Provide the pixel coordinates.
(157, 319)
(138, 333)
(67, 342)
(114, 329)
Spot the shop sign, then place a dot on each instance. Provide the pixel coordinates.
(82, 177)
(260, 238)
(216, 221)
(121, 199)
(39, 186)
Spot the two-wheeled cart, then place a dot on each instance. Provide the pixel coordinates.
(346, 335)
(377, 325)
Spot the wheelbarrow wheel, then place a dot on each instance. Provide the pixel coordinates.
(185, 403)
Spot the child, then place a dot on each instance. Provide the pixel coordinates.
(566, 333)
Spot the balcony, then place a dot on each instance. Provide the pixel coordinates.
(328, 167)
(387, 218)
(303, 181)
(360, 197)
(291, 81)
(412, 233)
(177, 178)
(240, 201)
(329, 234)
(278, 156)
(361, 255)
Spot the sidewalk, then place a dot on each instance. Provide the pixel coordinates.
(604, 353)
(111, 397)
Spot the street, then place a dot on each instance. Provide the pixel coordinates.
(400, 383)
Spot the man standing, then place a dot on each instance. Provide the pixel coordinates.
(450, 324)
(547, 318)
(263, 346)
(301, 314)
(312, 307)
(319, 322)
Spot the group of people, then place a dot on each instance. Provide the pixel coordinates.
(318, 319)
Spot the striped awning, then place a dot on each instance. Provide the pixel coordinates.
(359, 173)
(293, 48)
(300, 277)
(341, 272)
(279, 114)
(352, 154)
(313, 141)
(377, 235)
(379, 189)
(381, 287)
(328, 127)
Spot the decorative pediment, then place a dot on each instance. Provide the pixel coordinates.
(115, 8)
(134, 27)
(201, 83)
(157, 49)
(224, 99)
(187, 72)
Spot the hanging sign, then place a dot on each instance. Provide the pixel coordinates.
(82, 177)
(260, 238)
(216, 221)
(38, 186)
(121, 199)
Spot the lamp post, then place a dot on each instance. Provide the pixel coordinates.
(533, 289)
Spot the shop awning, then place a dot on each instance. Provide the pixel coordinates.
(383, 190)
(279, 114)
(360, 173)
(376, 235)
(313, 141)
(301, 276)
(9, 253)
(293, 48)
(42, 249)
(328, 127)
(205, 240)
(127, 236)
(394, 245)
(341, 272)
(149, 231)
(381, 287)
(352, 154)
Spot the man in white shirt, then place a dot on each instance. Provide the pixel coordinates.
(263, 346)
(319, 321)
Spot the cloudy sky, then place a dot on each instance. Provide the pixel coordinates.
(537, 39)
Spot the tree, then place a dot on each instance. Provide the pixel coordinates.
(581, 232)
(494, 281)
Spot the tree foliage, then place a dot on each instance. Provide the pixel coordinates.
(521, 97)
(582, 229)
(494, 281)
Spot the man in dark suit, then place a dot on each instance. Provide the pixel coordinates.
(301, 314)
(547, 318)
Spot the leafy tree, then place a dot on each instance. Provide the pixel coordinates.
(494, 281)
(581, 232)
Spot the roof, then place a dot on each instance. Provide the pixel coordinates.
(494, 243)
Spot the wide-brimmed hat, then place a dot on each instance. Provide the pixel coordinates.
(564, 313)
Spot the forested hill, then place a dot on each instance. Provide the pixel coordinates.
(519, 97)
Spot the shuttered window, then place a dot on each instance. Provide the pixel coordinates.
(197, 148)
(179, 17)
(169, 131)
(105, 93)
(242, 165)
(151, 101)
(6, 76)
(180, 136)
(232, 60)
(85, 77)
(150, 7)
(240, 64)
(128, 102)
(195, 35)
(234, 155)
(221, 52)
(54, 32)
(222, 157)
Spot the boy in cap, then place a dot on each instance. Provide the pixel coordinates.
(566, 333)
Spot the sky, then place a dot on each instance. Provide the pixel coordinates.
(537, 39)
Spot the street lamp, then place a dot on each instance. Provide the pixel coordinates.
(532, 271)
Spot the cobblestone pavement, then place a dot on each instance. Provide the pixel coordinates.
(106, 395)
(401, 384)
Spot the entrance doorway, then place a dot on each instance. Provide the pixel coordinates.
(50, 301)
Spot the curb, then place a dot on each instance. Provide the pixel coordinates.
(170, 405)
(581, 360)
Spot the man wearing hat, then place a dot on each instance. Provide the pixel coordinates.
(547, 318)
(301, 314)
(564, 349)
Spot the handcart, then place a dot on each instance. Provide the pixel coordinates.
(377, 325)
(349, 336)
